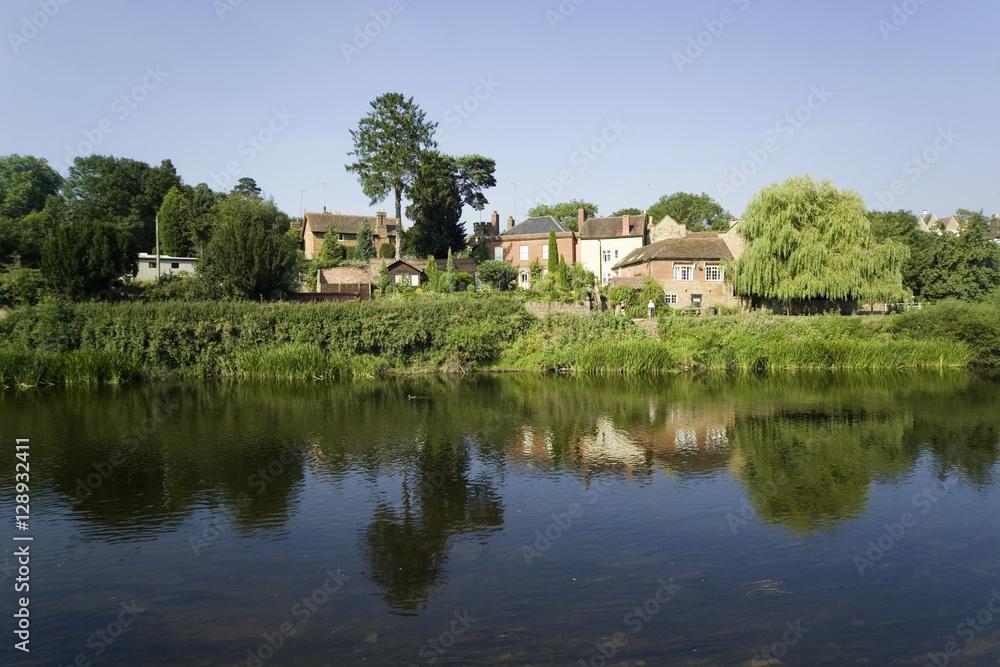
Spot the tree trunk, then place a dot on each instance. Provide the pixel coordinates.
(399, 222)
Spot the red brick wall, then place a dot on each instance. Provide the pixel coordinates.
(712, 293)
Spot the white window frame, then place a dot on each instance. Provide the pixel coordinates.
(715, 268)
(545, 251)
(605, 256)
(498, 253)
(680, 270)
(525, 279)
(523, 250)
(606, 277)
(616, 254)
(414, 281)
(670, 299)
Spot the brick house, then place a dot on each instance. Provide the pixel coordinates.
(688, 265)
(527, 241)
(316, 227)
(603, 242)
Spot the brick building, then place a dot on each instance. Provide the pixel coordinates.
(523, 243)
(316, 227)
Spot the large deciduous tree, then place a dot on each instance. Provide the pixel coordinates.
(249, 256)
(698, 213)
(387, 146)
(810, 241)
(25, 182)
(568, 213)
(82, 259)
(119, 190)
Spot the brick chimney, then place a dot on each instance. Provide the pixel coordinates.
(510, 223)
(495, 226)
(625, 225)
(581, 217)
(380, 220)
(995, 216)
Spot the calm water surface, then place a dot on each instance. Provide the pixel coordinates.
(822, 519)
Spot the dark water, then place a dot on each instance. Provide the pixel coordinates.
(849, 519)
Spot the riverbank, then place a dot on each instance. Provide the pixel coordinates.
(93, 343)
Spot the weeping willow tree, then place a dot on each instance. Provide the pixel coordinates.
(809, 241)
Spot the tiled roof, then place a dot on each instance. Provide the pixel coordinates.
(347, 275)
(685, 249)
(533, 226)
(345, 224)
(610, 228)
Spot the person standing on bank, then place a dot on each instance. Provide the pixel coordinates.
(652, 307)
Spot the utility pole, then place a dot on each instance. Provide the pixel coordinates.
(156, 223)
(515, 200)
(301, 207)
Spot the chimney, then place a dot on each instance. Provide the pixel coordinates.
(510, 223)
(380, 220)
(495, 226)
(995, 216)
(324, 209)
(625, 225)
(581, 217)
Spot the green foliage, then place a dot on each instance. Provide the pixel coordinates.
(696, 212)
(498, 275)
(651, 291)
(84, 258)
(976, 325)
(466, 279)
(175, 224)
(167, 288)
(118, 190)
(553, 252)
(22, 287)
(809, 240)
(247, 187)
(25, 183)
(441, 186)
(626, 211)
(535, 270)
(432, 273)
(332, 252)
(568, 213)
(248, 257)
(387, 251)
(626, 295)
(364, 249)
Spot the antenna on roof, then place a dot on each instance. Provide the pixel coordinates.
(301, 207)
(324, 193)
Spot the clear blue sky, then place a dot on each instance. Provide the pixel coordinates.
(609, 68)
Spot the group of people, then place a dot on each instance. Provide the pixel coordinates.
(650, 308)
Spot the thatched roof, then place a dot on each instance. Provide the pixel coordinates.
(679, 249)
(612, 228)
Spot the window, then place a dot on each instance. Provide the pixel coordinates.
(670, 299)
(152, 265)
(606, 278)
(415, 281)
(498, 253)
(525, 279)
(684, 272)
(545, 251)
(401, 278)
(713, 273)
(524, 253)
(340, 237)
(616, 254)
(605, 256)
(175, 265)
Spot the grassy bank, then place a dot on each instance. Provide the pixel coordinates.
(96, 343)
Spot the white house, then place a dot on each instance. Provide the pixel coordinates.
(169, 266)
(606, 241)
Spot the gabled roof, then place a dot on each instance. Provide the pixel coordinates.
(533, 226)
(345, 224)
(346, 275)
(682, 249)
(611, 228)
